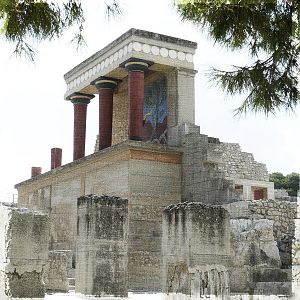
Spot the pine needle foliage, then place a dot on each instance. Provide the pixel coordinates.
(269, 30)
(24, 21)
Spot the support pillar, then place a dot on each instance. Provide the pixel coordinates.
(136, 73)
(105, 87)
(80, 102)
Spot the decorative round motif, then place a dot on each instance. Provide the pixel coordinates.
(163, 52)
(154, 50)
(106, 63)
(181, 55)
(172, 54)
(146, 48)
(137, 46)
(78, 80)
(102, 65)
(111, 59)
(116, 56)
(71, 85)
(82, 78)
(130, 47)
(189, 57)
(125, 49)
(86, 75)
(120, 53)
(98, 67)
(94, 70)
(90, 72)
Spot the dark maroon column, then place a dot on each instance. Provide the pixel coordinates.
(136, 73)
(105, 87)
(56, 155)
(80, 102)
(35, 171)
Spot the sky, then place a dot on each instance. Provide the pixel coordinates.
(34, 117)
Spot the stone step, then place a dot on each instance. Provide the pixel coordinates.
(71, 282)
(272, 275)
(273, 288)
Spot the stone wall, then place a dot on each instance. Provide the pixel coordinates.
(202, 180)
(194, 235)
(101, 246)
(24, 237)
(58, 270)
(282, 213)
(235, 163)
(148, 175)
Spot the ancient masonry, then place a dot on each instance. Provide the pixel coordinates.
(159, 206)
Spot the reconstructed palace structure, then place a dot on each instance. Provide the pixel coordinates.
(158, 203)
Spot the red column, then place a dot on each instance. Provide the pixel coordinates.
(80, 102)
(56, 155)
(35, 171)
(105, 87)
(136, 73)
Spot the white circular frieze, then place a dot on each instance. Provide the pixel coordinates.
(71, 85)
(106, 63)
(146, 48)
(189, 57)
(172, 54)
(163, 52)
(111, 59)
(137, 46)
(102, 65)
(98, 67)
(90, 72)
(120, 53)
(154, 50)
(125, 50)
(94, 70)
(78, 80)
(82, 78)
(116, 56)
(181, 55)
(130, 47)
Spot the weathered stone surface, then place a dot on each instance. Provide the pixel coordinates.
(23, 252)
(194, 235)
(254, 249)
(101, 247)
(56, 274)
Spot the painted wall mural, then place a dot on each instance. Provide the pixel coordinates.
(156, 111)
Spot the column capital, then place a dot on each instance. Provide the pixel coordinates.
(80, 98)
(104, 82)
(136, 64)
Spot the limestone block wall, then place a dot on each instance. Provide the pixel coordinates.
(202, 180)
(196, 235)
(57, 270)
(101, 246)
(148, 175)
(235, 163)
(24, 237)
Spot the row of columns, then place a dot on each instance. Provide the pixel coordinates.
(105, 85)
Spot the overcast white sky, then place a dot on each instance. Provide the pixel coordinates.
(35, 118)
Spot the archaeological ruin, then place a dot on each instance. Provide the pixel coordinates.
(159, 206)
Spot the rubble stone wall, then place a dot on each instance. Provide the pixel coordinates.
(235, 163)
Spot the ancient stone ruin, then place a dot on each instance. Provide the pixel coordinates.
(159, 206)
